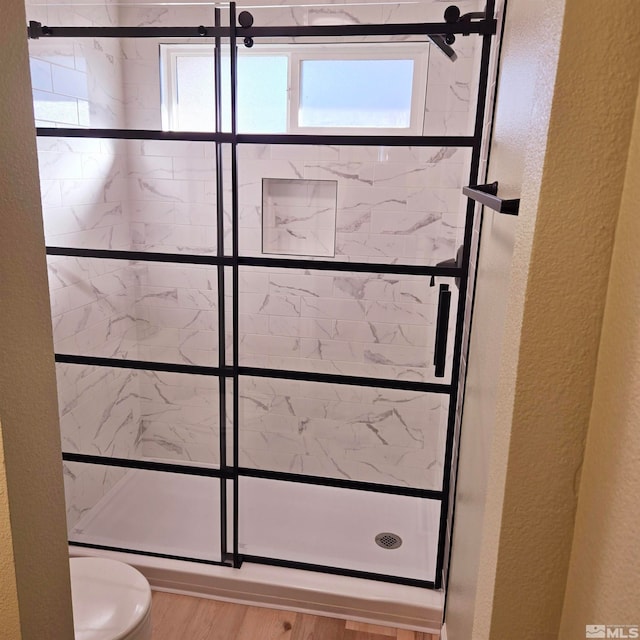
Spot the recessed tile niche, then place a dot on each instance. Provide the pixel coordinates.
(299, 217)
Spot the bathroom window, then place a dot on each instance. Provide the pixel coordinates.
(306, 89)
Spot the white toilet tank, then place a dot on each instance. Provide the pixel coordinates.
(111, 600)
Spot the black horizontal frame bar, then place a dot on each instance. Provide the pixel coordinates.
(487, 194)
(352, 573)
(145, 465)
(257, 261)
(230, 473)
(152, 554)
(482, 27)
(143, 365)
(258, 138)
(36, 30)
(358, 381)
(354, 140)
(134, 134)
(142, 256)
(340, 483)
(355, 267)
(229, 372)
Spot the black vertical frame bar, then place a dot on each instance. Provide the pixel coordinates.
(447, 485)
(442, 329)
(233, 61)
(222, 381)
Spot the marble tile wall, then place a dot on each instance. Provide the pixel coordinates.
(179, 417)
(172, 196)
(176, 312)
(339, 431)
(393, 205)
(99, 415)
(338, 322)
(83, 181)
(85, 486)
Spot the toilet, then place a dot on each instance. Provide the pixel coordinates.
(111, 600)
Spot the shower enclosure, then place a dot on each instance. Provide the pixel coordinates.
(260, 269)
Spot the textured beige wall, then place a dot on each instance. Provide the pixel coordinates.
(531, 41)
(604, 574)
(27, 384)
(570, 201)
(9, 611)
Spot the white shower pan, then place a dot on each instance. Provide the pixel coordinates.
(178, 514)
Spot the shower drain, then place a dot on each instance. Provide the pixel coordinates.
(388, 540)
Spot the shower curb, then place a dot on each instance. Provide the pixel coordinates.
(258, 585)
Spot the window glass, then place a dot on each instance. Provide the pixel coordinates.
(262, 93)
(195, 96)
(356, 93)
(296, 90)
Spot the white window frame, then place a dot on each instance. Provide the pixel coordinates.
(297, 54)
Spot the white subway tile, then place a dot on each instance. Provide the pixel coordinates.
(54, 108)
(40, 74)
(69, 82)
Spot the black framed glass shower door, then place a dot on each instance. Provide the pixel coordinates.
(305, 381)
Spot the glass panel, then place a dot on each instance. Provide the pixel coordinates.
(125, 13)
(139, 415)
(195, 93)
(129, 194)
(316, 14)
(100, 83)
(262, 92)
(368, 434)
(147, 84)
(346, 323)
(452, 89)
(165, 14)
(160, 512)
(337, 527)
(157, 312)
(356, 93)
(400, 205)
(116, 83)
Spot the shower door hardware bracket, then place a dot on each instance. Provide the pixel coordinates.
(35, 30)
(455, 263)
(442, 329)
(487, 194)
(452, 16)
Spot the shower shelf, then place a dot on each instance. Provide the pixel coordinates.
(487, 194)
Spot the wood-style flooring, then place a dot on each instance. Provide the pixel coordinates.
(177, 617)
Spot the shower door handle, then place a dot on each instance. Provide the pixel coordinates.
(442, 330)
